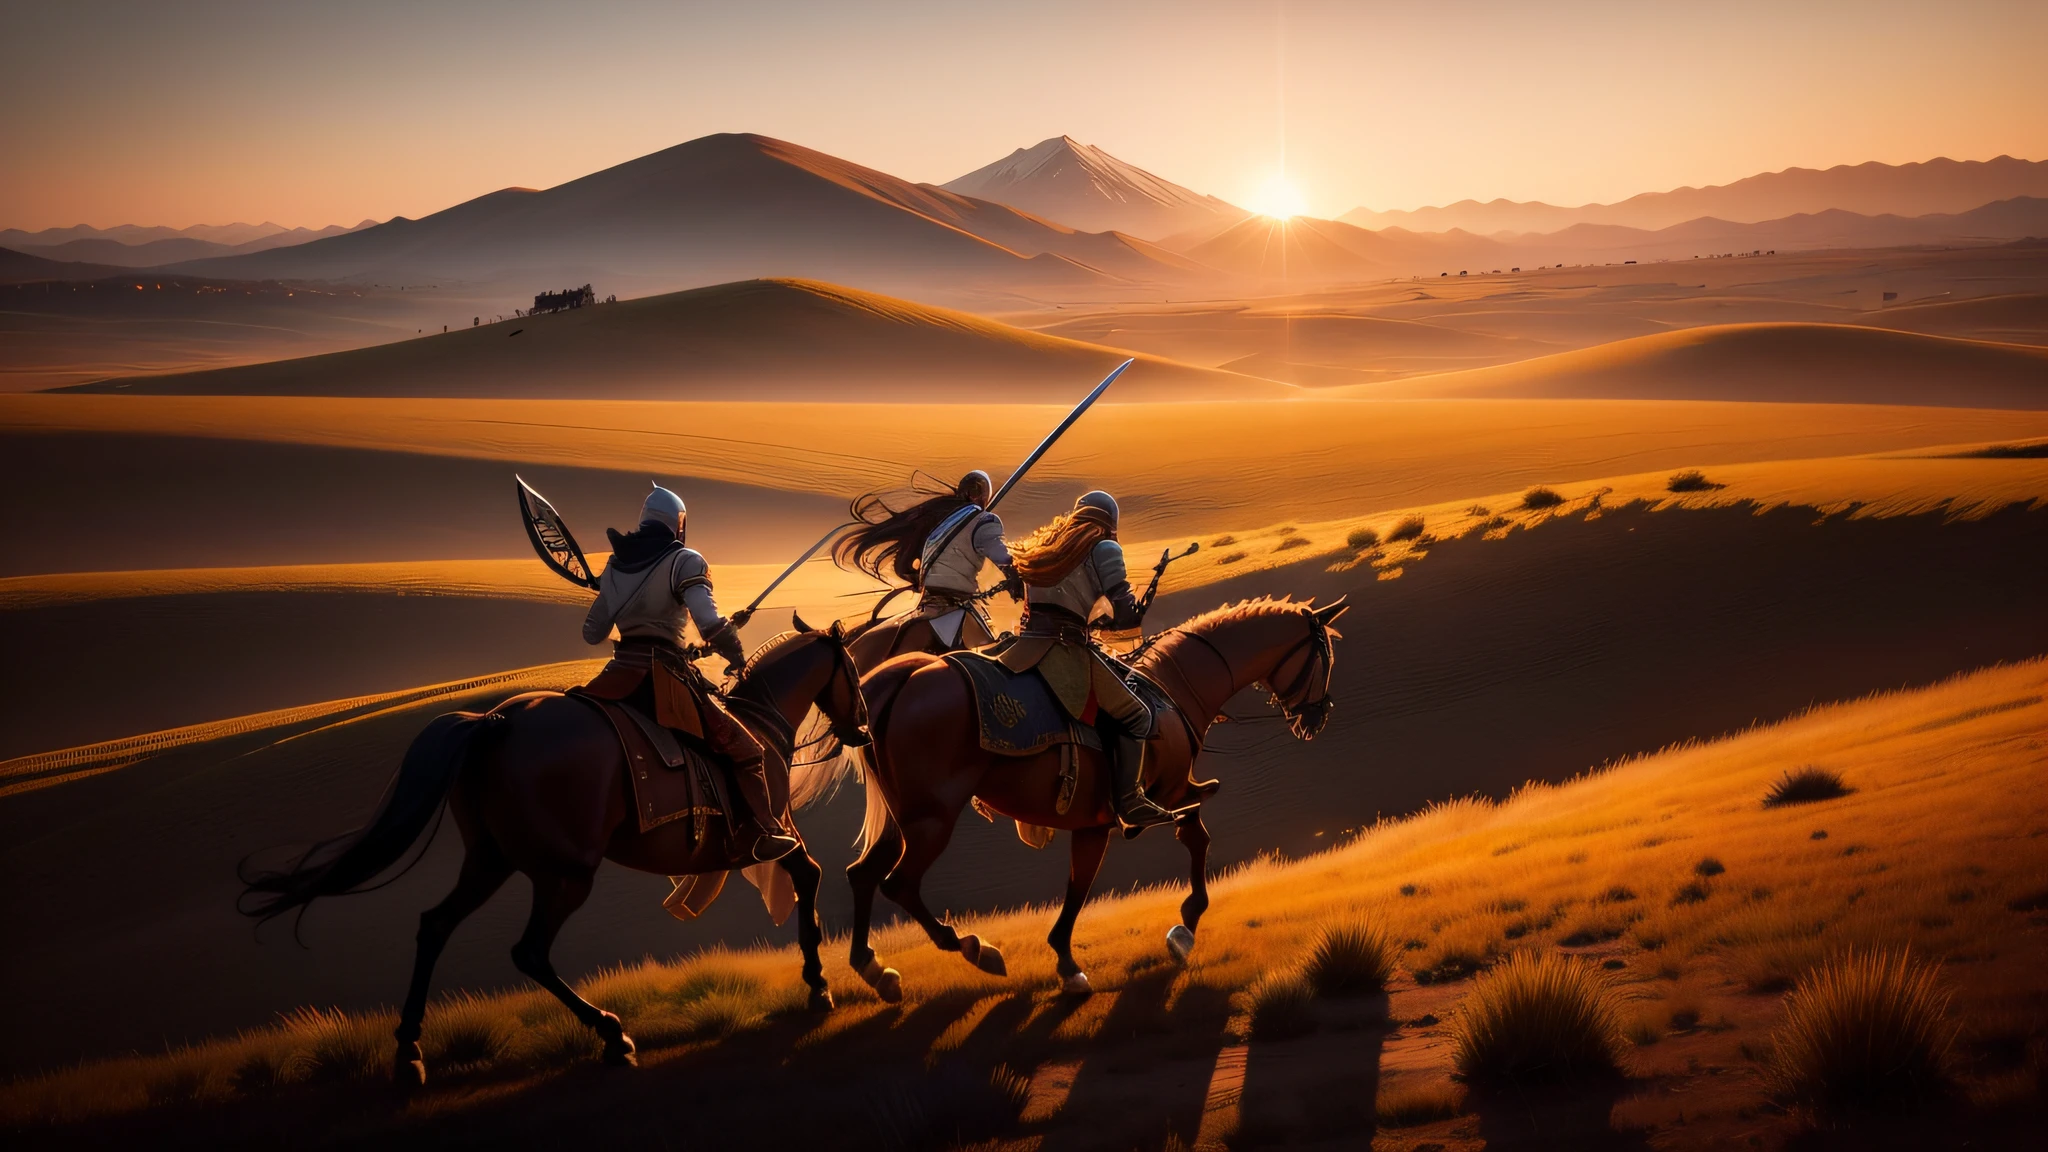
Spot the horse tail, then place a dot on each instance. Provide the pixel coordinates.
(880, 687)
(343, 864)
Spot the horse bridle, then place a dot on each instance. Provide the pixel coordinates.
(859, 737)
(1305, 716)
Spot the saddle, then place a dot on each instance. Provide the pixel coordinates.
(670, 764)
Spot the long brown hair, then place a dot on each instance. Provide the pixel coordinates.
(1046, 556)
(895, 527)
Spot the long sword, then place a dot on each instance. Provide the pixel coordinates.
(1044, 446)
(791, 570)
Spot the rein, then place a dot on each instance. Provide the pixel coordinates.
(1317, 641)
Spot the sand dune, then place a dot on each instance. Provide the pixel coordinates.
(1806, 363)
(2021, 318)
(759, 339)
(1578, 638)
(271, 480)
(201, 645)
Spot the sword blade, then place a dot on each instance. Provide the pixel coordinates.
(1046, 444)
(796, 564)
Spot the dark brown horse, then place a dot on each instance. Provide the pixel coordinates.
(538, 785)
(927, 762)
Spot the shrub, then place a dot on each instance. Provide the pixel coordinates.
(1708, 866)
(333, 1045)
(1805, 786)
(1540, 497)
(467, 1031)
(1220, 541)
(1865, 1030)
(1693, 892)
(1410, 528)
(1351, 958)
(1537, 1018)
(1363, 538)
(1407, 1105)
(1230, 557)
(1691, 480)
(1282, 1006)
(1292, 542)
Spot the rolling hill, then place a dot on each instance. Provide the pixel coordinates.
(718, 208)
(1080, 184)
(754, 340)
(1806, 363)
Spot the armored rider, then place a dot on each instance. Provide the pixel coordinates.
(1066, 567)
(650, 589)
(937, 546)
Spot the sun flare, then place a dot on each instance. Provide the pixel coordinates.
(1278, 198)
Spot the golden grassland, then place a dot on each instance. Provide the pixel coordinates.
(1700, 904)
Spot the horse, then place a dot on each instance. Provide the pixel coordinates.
(538, 785)
(926, 762)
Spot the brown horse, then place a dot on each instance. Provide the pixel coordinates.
(927, 762)
(538, 785)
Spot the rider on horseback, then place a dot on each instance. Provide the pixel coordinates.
(649, 588)
(936, 546)
(1066, 567)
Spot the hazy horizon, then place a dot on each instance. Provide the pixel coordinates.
(238, 112)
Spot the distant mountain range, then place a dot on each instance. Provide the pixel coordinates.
(1309, 250)
(1940, 185)
(1083, 186)
(721, 208)
(733, 207)
(135, 246)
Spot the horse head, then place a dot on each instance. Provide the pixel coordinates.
(1305, 700)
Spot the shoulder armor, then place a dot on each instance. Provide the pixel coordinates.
(691, 570)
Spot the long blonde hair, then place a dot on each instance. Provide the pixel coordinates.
(1046, 556)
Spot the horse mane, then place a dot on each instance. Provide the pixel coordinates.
(1242, 610)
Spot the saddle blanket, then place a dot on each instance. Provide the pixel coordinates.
(671, 779)
(1017, 712)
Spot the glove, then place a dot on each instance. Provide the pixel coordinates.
(727, 644)
(1013, 583)
(739, 619)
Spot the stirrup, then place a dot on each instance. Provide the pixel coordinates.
(1138, 812)
(772, 846)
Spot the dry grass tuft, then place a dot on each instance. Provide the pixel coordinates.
(1866, 1031)
(1540, 497)
(1538, 1019)
(1805, 786)
(1352, 957)
(1291, 542)
(1363, 538)
(1407, 1105)
(1231, 557)
(1282, 1006)
(1690, 480)
(467, 1032)
(1410, 528)
(332, 1045)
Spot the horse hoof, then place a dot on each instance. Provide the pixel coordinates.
(1076, 984)
(986, 957)
(409, 1074)
(1179, 943)
(821, 1000)
(887, 982)
(621, 1053)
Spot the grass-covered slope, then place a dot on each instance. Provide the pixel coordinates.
(1697, 902)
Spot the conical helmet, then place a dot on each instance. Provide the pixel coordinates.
(664, 507)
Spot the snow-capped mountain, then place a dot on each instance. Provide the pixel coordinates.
(1082, 186)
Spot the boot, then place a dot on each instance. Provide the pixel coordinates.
(765, 835)
(1134, 810)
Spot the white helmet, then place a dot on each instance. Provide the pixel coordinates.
(664, 507)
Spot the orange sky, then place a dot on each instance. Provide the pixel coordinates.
(191, 113)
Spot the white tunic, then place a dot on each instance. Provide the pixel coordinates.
(957, 567)
(655, 602)
(1101, 574)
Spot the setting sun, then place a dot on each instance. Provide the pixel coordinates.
(1278, 198)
